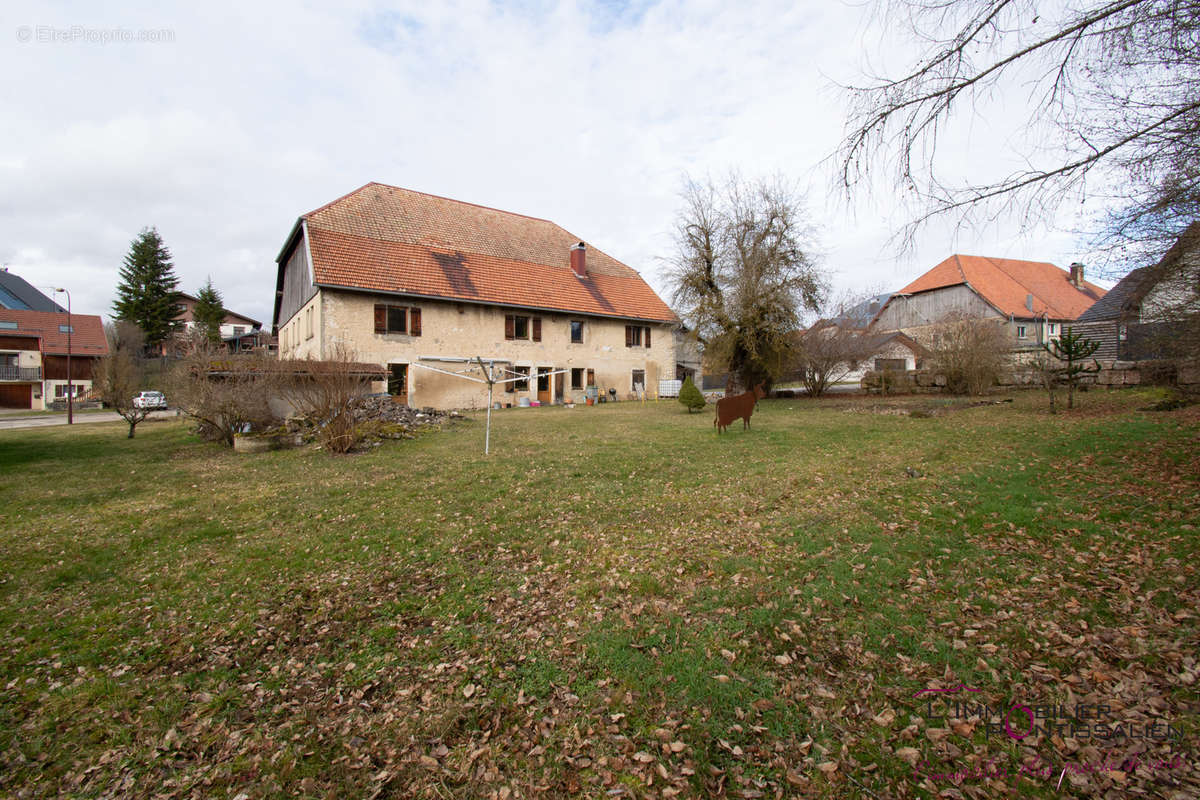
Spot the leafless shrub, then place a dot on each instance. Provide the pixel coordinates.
(970, 352)
(226, 394)
(119, 375)
(326, 391)
(824, 355)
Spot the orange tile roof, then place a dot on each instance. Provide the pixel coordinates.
(87, 336)
(388, 239)
(1007, 283)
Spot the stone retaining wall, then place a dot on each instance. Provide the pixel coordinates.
(1112, 374)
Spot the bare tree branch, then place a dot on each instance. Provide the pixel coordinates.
(1114, 91)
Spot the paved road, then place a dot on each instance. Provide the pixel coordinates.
(44, 420)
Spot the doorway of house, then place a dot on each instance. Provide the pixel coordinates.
(397, 384)
(543, 385)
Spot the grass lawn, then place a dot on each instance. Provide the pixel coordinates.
(843, 602)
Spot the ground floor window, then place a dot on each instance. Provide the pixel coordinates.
(397, 382)
(883, 364)
(577, 377)
(639, 380)
(522, 384)
(79, 390)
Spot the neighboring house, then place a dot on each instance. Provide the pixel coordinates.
(847, 336)
(1146, 315)
(34, 356)
(892, 351)
(404, 278)
(238, 332)
(18, 294)
(1032, 298)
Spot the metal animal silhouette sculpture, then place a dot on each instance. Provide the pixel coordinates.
(737, 407)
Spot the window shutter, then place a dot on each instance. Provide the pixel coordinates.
(380, 319)
(647, 336)
(537, 329)
(509, 328)
(629, 336)
(414, 321)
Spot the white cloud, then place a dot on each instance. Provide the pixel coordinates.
(587, 114)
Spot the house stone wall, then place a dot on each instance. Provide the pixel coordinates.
(452, 329)
(302, 336)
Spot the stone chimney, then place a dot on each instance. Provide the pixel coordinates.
(1077, 275)
(579, 260)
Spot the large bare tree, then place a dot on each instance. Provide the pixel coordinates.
(743, 272)
(1114, 110)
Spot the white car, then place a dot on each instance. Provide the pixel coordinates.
(150, 400)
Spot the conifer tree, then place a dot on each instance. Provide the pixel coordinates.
(148, 294)
(690, 396)
(1073, 348)
(209, 313)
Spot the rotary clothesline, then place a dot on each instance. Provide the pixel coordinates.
(487, 367)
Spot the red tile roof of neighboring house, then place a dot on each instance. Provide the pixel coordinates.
(188, 301)
(87, 337)
(387, 239)
(1007, 283)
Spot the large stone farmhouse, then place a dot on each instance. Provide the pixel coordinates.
(402, 278)
(1033, 299)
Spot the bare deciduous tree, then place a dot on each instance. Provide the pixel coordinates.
(1114, 87)
(118, 375)
(743, 272)
(825, 354)
(969, 351)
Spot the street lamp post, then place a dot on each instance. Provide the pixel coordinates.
(70, 387)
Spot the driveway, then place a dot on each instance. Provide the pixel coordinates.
(82, 418)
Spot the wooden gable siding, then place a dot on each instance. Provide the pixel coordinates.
(55, 367)
(931, 307)
(20, 343)
(1104, 332)
(298, 287)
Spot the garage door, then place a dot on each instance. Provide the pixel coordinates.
(16, 395)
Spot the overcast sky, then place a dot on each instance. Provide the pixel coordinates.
(221, 124)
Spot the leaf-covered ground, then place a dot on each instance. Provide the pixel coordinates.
(845, 601)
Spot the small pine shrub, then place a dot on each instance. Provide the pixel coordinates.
(690, 396)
